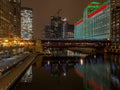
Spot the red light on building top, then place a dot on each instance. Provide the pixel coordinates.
(97, 11)
(78, 23)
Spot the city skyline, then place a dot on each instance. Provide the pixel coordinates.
(79, 48)
(43, 10)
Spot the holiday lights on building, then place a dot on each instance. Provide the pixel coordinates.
(99, 22)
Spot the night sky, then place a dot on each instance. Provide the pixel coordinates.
(44, 9)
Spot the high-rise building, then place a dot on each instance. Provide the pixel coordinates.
(95, 22)
(67, 29)
(115, 20)
(69, 33)
(16, 6)
(100, 21)
(26, 23)
(48, 32)
(59, 28)
(56, 25)
(9, 18)
(78, 29)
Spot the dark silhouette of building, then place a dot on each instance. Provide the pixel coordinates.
(56, 26)
(48, 32)
(59, 28)
(69, 33)
(16, 7)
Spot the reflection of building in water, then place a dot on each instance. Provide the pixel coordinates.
(57, 67)
(38, 62)
(27, 78)
(58, 70)
(95, 70)
(115, 71)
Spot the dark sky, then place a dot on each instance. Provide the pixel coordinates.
(44, 9)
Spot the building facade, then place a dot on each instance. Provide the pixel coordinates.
(59, 29)
(56, 26)
(78, 29)
(9, 18)
(69, 32)
(16, 6)
(48, 32)
(115, 20)
(100, 22)
(26, 23)
(95, 22)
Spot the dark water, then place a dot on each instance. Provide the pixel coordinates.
(58, 73)
(51, 74)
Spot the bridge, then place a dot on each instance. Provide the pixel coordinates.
(63, 43)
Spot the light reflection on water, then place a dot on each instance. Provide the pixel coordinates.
(52, 73)
(104, 70)
(100, 71)
(59, 67)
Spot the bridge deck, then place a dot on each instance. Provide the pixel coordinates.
(75, 40)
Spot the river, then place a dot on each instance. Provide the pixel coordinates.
(59, 73)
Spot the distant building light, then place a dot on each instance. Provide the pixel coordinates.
(64, 19)
(81, 61)
(6, 40)
(48, 62)
(108, 38)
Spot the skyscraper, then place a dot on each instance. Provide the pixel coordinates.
(100, 21)
(26, 23)
(115, 20)
(9, 18)
(56, 26)
(16, 6)
(48, 32)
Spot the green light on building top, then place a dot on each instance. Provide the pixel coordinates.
(93, 5)
(104, 3)
(78, 20)
(98, 7)
(95, 2)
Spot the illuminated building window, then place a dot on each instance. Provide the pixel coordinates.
(26, 24)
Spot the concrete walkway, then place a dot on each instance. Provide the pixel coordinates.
(14, 74)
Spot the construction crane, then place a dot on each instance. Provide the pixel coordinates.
(58, 12)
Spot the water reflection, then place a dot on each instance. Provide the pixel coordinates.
(59, 66)
(115, 71)
(98, 72)
(52, 73)
(27, 78)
